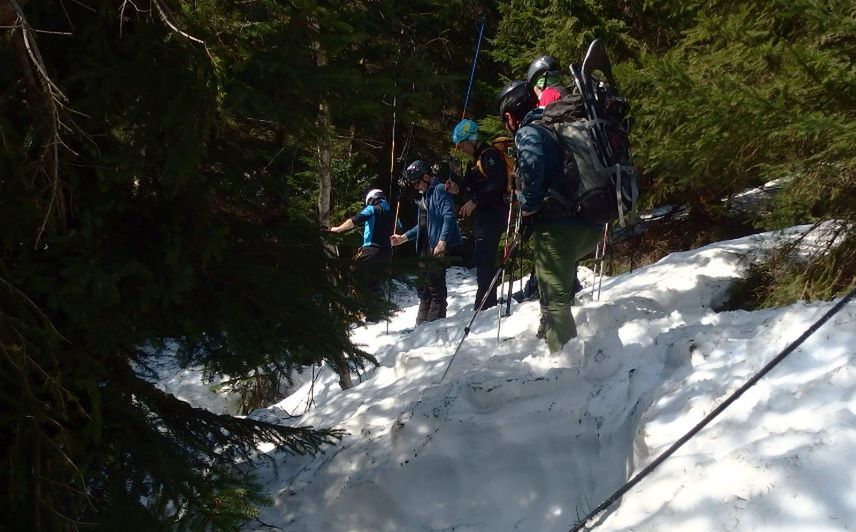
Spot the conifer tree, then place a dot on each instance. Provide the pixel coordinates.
(152, 164)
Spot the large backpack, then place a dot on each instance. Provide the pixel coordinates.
(598, 182)
(505, 147)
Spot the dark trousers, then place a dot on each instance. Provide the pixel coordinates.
(488, 227)
(370, 266)
(432, 296)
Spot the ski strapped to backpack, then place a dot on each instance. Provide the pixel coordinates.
(599, 183)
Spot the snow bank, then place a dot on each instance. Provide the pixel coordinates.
(518, 439)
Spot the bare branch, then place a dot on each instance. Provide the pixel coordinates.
(33, 51)
(34, 30)
(84, 6)
(122, 14)
(8, 13)
(164, 14)
(55, 101)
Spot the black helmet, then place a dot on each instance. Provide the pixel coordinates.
(544, 65)
(416, 170)
(515, 98)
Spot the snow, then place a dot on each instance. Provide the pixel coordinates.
(515, 438)
(161, 366)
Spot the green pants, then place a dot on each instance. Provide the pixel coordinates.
(558, 247)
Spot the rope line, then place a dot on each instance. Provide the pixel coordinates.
(718, 410)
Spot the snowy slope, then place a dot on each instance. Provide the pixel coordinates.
(517, 439)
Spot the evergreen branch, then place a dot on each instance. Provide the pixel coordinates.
(220, 436)
(67, 460)
(34, 307)
(267, 525)
(813, 74)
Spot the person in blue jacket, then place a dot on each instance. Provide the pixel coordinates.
(559, 239)
(441, 234)
(375, 254)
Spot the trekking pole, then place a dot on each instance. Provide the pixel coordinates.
(502, 280)
(594, 269)
(606, 229)
(598, 265)
(511, 269)
(392, 148)
(402, 158)
(391, 181)
(473, 71)
(481, 305)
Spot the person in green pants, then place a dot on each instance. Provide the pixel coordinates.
(559, 239)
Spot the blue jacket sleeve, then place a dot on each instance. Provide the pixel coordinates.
(446, 208)
(363, 215)
(412, 232)
(531, 167)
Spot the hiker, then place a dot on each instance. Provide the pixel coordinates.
(373, 257)
(544, 77)
(483, 186)
(559, 239)
(435, 238)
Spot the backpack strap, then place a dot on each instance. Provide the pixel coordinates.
(566, 206)
(618, 198)
(479, 166)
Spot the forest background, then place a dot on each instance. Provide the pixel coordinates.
(167, 168)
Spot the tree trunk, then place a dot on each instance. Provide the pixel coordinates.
(325, 158)
(325, 165)
(325, 185)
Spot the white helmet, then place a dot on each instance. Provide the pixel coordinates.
(373, 194)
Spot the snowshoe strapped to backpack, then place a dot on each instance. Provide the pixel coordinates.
(599, 181)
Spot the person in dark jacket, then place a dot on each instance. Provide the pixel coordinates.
(440, 234)
(483, 188)
(375, 254)
(559, 240)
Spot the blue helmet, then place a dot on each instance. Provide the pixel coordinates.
(465, 130)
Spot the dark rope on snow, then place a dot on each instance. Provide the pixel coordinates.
(710, 417)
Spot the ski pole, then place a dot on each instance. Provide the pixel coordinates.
(511, 270)
(594, 268)
(392, 150)
(473, 71)
(502, 280)
(603, 257)
(391, 181)
(481, 305)
(598, 278)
